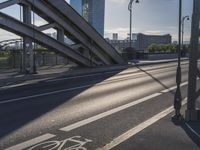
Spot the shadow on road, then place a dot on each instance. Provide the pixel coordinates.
(157, 80)
(17, 114)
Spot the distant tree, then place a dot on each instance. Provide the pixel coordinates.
(161, 48)
(151, 48)
(173, 49)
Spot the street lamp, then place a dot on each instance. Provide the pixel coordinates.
(177, 96)
(185, 17)
(130, 9)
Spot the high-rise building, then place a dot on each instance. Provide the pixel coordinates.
(93, 11)
(77, 5)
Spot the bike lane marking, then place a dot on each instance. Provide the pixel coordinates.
(88, 120)
(130, 133)
(115, 110)
(72, 143)
(31, 142)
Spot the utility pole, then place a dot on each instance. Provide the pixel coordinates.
(192, 114)
(177, 96)
(130, 9)
(183, 21)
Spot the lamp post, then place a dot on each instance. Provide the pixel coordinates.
(130, 9)
(188, 18)
(177, 96)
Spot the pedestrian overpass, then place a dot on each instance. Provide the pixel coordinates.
(89, 48)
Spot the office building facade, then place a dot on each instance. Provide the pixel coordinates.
(143, 41)
(93, 11)
(140, 41)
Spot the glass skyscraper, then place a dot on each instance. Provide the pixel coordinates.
(93, 11)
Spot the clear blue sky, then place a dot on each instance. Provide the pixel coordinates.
(149, 16)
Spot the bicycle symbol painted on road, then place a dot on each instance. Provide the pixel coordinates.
(72, 143)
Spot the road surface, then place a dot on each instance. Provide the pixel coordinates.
(95, 111)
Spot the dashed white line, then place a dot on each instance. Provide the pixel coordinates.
(31, 142)
(130, 133)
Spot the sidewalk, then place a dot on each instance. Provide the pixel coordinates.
(12, 77)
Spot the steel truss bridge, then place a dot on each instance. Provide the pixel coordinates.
(6, 43)
(90, 47)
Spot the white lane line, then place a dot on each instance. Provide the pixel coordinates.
(104, 72)
(54, 92)
(31, 142)
(79, 76)
(100, 73)
(112, 111)
(64, 90)
(107, 113)
(193, 130)
(44, 94)
(130, 133)
(173, 88)
(22, 84)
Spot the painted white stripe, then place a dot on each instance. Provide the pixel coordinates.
(108, 72)
(107, 113)
(80, 76)
(173, 88)
(44, 94)
(49, 93)
(105, 72)
(130, 133)
(112, 111)
(54, 92)
(22, 84)
(31, 142)
(193, 130)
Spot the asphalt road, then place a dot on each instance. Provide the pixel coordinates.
(90, 110)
